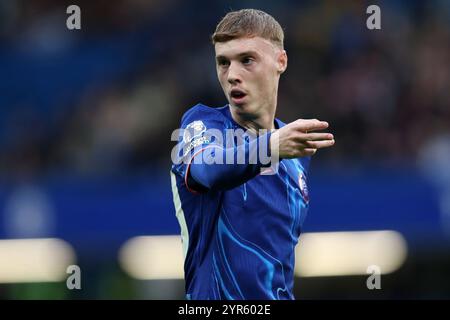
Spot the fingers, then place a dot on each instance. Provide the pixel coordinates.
(316, 136)
(309, 151)
(298, 140)
(310, 125)
(319, 144)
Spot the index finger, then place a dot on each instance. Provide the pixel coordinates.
(311, 125)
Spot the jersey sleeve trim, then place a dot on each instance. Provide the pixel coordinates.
(189, 167)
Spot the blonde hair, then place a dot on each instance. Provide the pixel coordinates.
(248, 23)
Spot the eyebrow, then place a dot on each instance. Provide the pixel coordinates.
(246, 53)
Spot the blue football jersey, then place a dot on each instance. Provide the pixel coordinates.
(238, 243)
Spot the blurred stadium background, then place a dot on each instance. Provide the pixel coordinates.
(86, 118)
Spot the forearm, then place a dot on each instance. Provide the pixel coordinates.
(238, 168)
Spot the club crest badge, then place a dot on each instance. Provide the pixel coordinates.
(194, 130)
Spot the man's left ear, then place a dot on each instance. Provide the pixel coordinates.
(282, 61)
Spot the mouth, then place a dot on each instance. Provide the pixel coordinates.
(237, 96)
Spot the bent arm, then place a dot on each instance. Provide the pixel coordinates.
(217, 176)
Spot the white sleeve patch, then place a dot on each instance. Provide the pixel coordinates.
(194, 130)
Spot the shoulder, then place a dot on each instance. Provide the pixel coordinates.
(201, 112)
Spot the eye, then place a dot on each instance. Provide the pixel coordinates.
(223, 62)
(247, 61)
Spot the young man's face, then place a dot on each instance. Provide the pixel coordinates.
(249, 70)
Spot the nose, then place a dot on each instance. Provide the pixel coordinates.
(233, 74)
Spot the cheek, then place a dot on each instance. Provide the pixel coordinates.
(222, 78)
(264, 81)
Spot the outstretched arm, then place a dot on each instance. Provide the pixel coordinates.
(292, 141)
(233, 172)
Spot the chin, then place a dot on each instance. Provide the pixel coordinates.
(237, 106)
(240, 108)
(245, 110)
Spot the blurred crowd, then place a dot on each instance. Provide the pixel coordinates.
(386, 93)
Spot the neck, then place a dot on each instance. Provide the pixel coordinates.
(255, 122)
(264, 118)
